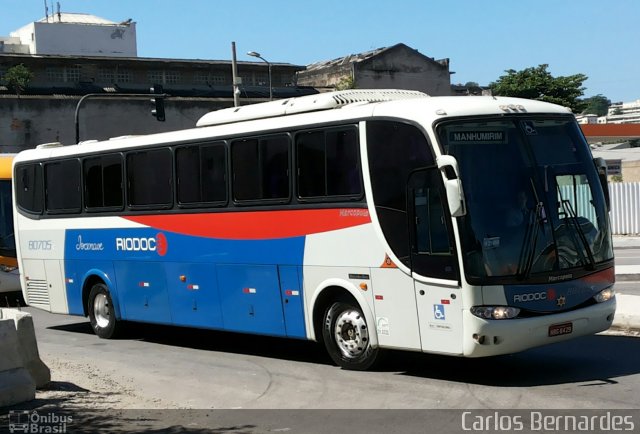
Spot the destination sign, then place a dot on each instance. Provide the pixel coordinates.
(478, 136)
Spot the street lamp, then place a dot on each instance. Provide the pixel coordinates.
(254, 54)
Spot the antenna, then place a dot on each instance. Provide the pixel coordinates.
(46, 10)
(59, 14)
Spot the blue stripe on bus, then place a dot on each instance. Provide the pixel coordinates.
(162, 277)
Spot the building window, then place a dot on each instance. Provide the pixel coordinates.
(124, 76)
(164, 77)
(156, 77)
(201, 78)
(114, 75)
(247, 80)
(262, 79)
(171, 77)
(64, 74)
(219, 79)
(208, 78)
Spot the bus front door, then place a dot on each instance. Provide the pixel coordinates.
(434, 264)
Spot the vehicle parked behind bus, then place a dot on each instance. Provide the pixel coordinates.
(9, 276)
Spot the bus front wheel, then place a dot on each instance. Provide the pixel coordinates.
(346, 337)
(102, 315)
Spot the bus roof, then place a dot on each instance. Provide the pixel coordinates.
(330, 107)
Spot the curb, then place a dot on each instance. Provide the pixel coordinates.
(628, 277)
(627, 312)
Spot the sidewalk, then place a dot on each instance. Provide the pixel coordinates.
(628, 306)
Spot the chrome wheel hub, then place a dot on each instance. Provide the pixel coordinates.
(351, 333)
(101, 310)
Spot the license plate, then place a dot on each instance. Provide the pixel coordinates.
(560, 329)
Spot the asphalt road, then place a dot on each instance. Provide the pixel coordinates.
(189, 368)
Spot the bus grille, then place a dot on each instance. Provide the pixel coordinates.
(38, 293)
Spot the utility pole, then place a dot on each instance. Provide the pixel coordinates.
(234, 73)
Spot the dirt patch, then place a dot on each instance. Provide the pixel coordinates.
(80, 385)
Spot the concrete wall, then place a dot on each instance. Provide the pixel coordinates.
(29, 121)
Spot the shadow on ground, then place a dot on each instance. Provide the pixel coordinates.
(594, 360)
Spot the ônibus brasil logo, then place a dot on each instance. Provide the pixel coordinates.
(156, 244)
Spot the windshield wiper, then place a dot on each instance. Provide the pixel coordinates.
(573, 218)
(530, 242)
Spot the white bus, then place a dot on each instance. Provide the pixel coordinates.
(367, 220)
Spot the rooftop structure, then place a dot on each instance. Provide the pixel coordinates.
(73, 35)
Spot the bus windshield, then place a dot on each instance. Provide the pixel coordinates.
(536, 209)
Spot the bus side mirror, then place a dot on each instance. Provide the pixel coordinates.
(601, 167)
(452, 184)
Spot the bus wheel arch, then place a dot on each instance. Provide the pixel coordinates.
(341, 323)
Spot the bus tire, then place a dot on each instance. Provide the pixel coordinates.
(346, 336)
(102, 314)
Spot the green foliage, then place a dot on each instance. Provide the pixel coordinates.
(538, 83)
(18, 78)
(616, 178)
(346, 83)
(597, 105)
(634, 143)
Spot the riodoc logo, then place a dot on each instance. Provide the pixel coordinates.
(156, 244)
(550, 294)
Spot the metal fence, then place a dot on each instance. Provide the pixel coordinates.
(625, 202)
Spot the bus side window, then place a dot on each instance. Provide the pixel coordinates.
(328, 163)
(149, 174)
(62, 186)
(30, 189)
(261, 168)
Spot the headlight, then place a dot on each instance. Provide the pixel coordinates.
(495, 312)
(605, 295)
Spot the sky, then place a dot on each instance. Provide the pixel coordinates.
(482, 39)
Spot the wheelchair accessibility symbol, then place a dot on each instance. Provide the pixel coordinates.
(438, 311)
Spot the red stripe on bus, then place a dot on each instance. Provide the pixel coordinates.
(256, 225)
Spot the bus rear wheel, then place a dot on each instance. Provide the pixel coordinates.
(102, 314)
(346, 337)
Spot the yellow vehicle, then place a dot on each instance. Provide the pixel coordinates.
(9, 276)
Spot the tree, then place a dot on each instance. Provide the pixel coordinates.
(18, 78)
(346, 83)
(597, 105)
(538, 83)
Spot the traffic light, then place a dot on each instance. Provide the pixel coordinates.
(158, 102)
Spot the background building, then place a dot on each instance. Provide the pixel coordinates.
(72, 55)
(396, 67)
(75, 35)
